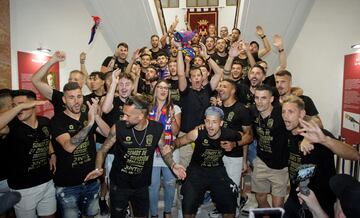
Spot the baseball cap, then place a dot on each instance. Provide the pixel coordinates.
(347, 190)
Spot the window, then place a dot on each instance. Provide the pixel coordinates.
(202, 3)
(231, 2)
(170, 3)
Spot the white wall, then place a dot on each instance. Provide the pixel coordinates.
(317, 58)
(57, 25)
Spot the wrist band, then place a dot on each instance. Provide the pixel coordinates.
(207, 59)
(281, 50)
(51, 154)
(263, 36)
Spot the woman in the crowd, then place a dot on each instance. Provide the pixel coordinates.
(169, 115)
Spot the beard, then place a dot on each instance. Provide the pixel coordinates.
(129, 125)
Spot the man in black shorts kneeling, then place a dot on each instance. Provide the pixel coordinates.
(206, 170)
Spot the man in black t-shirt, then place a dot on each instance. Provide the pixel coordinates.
(236, 117)
(28, 148)
(118, 61)
(221, 55)
(270, 173)
(206, 170)
(55, 96)
(283, 80)
(135, 139)
(74, 144)
(293, 113)
(195, 97)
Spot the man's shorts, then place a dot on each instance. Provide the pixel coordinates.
(268, 180)
(77, 199)
(36, 201)
(200, 179)
(119, 198)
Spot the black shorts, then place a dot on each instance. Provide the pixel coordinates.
(119, 198)
(200, 179)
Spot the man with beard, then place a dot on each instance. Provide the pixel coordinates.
(28, 148)
(155, 47)
(210, 45)
(162, 62)
(293, 113)
(74, 144)
(195, 98)
(283, 80)
(270, 173)
(221, 55)
(118, 60)
(206, 170)
(135, 139)
(45, 89)
(236, 117)
(146, 86)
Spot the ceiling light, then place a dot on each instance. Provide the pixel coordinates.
(356, 46)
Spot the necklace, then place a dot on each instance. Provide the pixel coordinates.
(142, 140)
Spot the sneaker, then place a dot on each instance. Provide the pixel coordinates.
(128, 213)
(237, 213)
(243, 201)
(214, 213)
(104, 208)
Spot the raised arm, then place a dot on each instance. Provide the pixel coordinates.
(134, 57)
(265, 41)
(44, 88)
(180, 66)
(218, 72)
(102, 127)
(107, 105)
(245, 47)
(8, 115)
(312, 132)
(101, 154)
(278, 43)
(233, 53)
(83, 68)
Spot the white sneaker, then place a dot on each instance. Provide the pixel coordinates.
(214, 214)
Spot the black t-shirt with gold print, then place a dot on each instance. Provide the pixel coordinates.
(72, 168)
(27, 151)
(207, 151)
(134, 152)
(272, 144)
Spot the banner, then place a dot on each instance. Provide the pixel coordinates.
(200, 20)
(350, 120)
(28, 64)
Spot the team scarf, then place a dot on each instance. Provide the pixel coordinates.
(165, 121)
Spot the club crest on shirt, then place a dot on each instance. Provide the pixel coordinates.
(128, 140)
(85, 123)
(83, 108)
(230, 116)
(149, 140)
(45, 131)
(270, 123)
(205, 142)
(71, 127)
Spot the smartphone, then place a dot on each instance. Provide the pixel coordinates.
(268, 212)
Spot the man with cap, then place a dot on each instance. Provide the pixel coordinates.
(347, 191)
(206, 162)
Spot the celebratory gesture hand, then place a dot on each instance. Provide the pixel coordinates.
(58, 56)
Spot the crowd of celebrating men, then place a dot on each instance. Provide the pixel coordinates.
(164, 116)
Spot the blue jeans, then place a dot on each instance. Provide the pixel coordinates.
(80, 199)
(169, 189)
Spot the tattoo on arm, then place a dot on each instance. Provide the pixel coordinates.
(80, 136)
(168, 159)
(109, 142)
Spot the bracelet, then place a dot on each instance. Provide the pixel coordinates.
(207, 59)
(281, 50)
(52, 153)
(263, 36)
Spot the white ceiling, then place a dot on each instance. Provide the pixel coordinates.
(133, 21)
